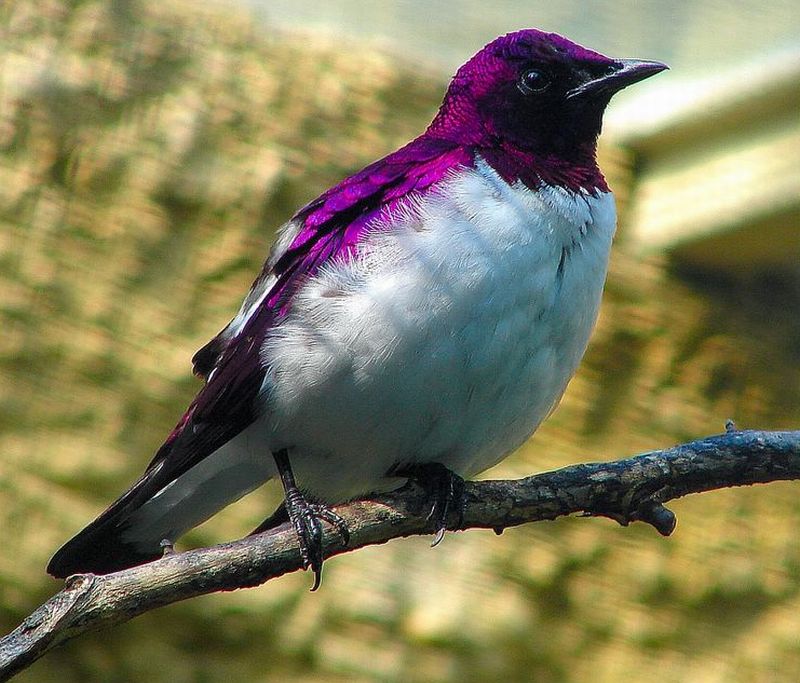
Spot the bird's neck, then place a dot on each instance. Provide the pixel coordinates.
(577, 171)
(550, 159)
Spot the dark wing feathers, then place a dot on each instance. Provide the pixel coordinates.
(207, 357)
(231, 363)
(223, 408)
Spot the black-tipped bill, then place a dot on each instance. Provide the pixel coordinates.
(622, 73)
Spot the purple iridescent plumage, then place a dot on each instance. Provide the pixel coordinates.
(487, 118)
(334, 223)
(332, 226)
(473, 120)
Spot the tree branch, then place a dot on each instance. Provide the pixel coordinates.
(624, 490)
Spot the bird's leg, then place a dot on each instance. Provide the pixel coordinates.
(306, 517)
(446, 489)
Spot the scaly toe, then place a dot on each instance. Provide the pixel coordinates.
(446, 488)
(306, 518)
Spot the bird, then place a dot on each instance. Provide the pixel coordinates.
(419, 320)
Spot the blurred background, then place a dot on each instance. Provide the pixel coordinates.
(148, 150)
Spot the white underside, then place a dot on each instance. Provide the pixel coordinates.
(449, 339)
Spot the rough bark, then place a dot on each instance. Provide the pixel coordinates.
(625, 490)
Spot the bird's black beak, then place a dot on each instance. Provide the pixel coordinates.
(621, 74)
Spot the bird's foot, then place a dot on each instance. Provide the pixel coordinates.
(446, 489)
(306, 518)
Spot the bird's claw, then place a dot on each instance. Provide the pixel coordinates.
(448, 492)
(446, 489)
(307, 518)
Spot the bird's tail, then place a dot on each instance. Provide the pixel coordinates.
(101, 547)
(163, 505)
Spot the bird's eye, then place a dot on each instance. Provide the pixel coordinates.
(533, 81)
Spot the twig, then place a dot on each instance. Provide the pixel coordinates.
(624, 490)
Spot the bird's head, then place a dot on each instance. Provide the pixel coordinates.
(534, 91)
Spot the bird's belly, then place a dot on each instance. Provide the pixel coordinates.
(447, 341)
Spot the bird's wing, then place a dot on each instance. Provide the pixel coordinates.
(331, 225)
(231, 363)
